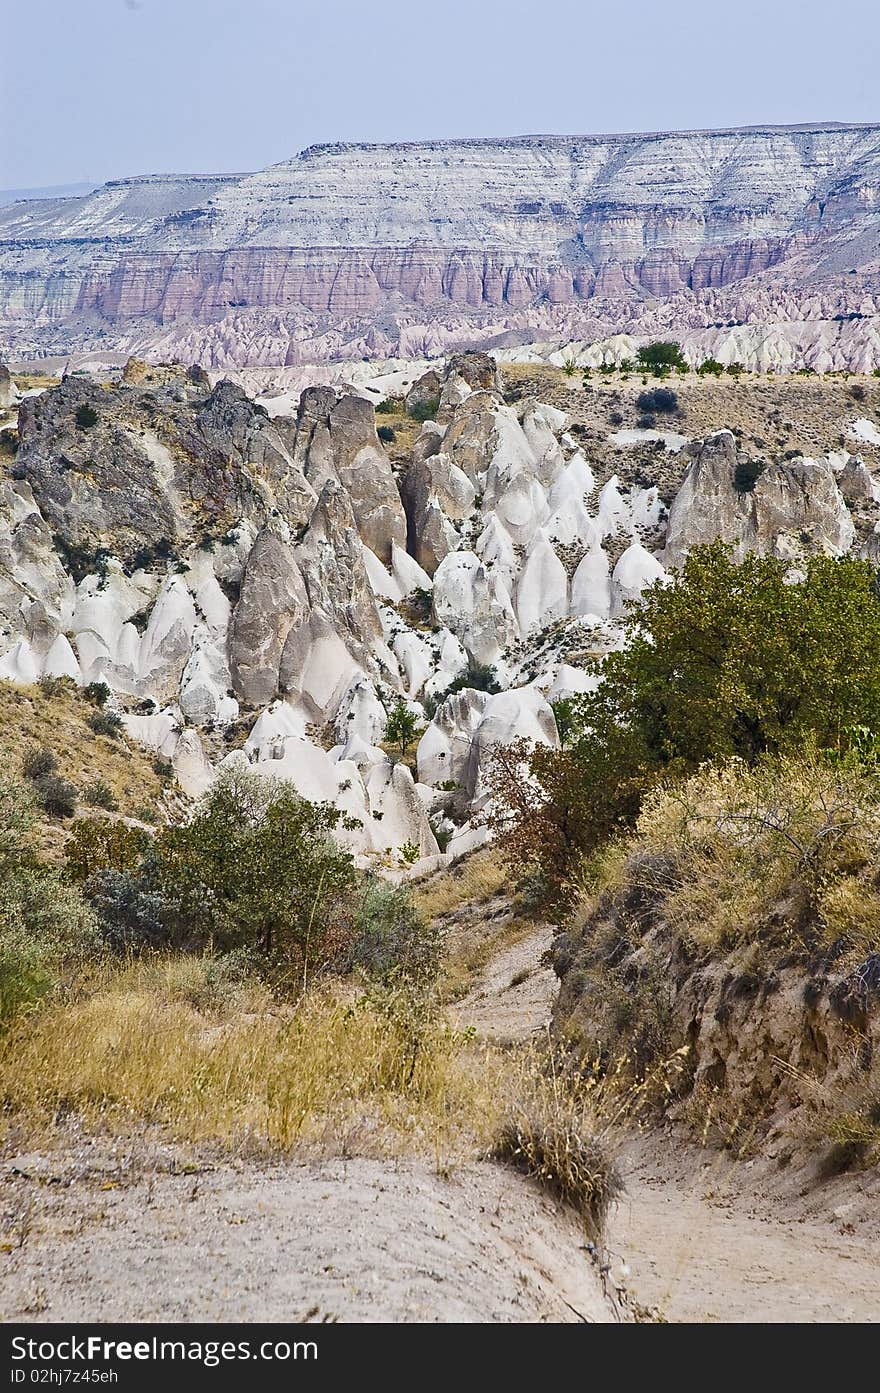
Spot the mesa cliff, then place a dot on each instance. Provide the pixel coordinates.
(377, 250)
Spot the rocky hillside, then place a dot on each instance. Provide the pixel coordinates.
(349, 250)
(275, 589)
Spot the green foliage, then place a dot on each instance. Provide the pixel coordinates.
(158, 553)
(99, 794)
(43, 921)
(729, 661)
(55, 795)
(747, 474)
(389, 407)
(425, 410)
(256, 868)
(402, 727)
(99, 845)
(38, 762)
(710, 367)
(98, 693)
(86, 417)
(735, 369)
(564, 715)
(392, 942)
(661, 356)
(105, 723)
(80, 560)
(569, 367)
(661, 399)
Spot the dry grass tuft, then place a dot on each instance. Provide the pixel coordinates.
(553, 1131)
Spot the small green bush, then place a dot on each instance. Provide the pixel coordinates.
(97, 692)
(105, 723)
(99, 794)
(39, 762)
(425, 410)
(661, 399)
(747, 474)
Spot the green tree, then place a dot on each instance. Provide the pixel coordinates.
(402, 727)
(730, 660)
(256, 868)
(710, 367)
(661, 357)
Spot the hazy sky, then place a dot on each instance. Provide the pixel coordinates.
(92, 89)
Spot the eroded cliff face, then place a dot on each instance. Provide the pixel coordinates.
(282, 583)
(382, 248)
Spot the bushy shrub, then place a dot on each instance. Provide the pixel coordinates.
(99, 794)
(105, 723)
(710, 367)
(98, 693)
(732, 660)
(43, 921)
(256, 868)
(747, 474)
(661, 356)
(661, 400)
(392, 942)
(86, 417)
(55, 795)
(130, 915)
(39, 762)
(425, 410)
(386, 435)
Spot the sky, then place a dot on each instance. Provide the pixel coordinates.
(98, 89)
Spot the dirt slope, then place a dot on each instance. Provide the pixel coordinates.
(356, 1240)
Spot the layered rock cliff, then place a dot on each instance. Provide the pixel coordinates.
(349, 250)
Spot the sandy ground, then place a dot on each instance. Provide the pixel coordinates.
(356, 1240)
(706, 1243)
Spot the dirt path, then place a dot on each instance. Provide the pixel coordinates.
(512, 997)
(702, 1244)
(357, 1240)
(704, 1236)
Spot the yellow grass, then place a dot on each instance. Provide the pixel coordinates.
(148, 1044)
(30, 718)
(475, 878)
(157, 1044)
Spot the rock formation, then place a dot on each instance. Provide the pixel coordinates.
(349, 250)
(218, 568)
